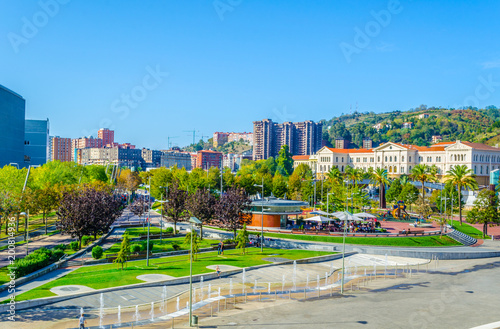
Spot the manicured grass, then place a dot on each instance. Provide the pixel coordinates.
(3, 275)
(135, 232)
(35, 223)
(166, 245)
(468, 229)
(111, 275)
(424, 241)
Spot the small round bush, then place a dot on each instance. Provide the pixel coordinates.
(97, 252)
(61, 246)
(57, 254)
(176, 246)
(74, 245)
(169, 229)
(86, 240)
(135, 248)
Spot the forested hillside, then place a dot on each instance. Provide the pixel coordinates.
(475, 125)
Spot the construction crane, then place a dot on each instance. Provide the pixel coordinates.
(203, 136)
(194, 134)
(168, 140)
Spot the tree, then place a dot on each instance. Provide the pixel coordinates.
(423, 208)
(423, 173)
(230, 210)
(242, 239)
(47, 199)
(461, 177)
(380, 176)
(87, 211)
(334, 176)
(124, 252)
(394, 191)
(201, 205)
(284, 161)
(279, 185)
(139, 207)
(129, 180)
(196, 243)
(175, 207)
(409, 194)
(485, 210)
(448, 197)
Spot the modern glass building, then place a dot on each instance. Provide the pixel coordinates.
(12, 112)
(36, 142)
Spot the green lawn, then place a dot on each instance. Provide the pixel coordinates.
(135, 232)
(424, 241)
(35, 222)
(110, 275)
(468, 229)
(166, 245)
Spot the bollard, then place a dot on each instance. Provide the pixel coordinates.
(351, 285)
(172, 323)
(331, 290)
(275, 295)
(225, 303)
(319, 292)
(305, 293)
(290, 294)
(234, 302)
(245, 297)
(218, 306)
(211, 309)
(260, 296)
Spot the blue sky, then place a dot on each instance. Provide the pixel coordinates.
(219, 65)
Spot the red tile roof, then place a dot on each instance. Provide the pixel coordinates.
(300, 157)
(480, 146)
(350, 150)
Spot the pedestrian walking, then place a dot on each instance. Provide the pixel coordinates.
(82, 322)
(217, 269)
(222, 248)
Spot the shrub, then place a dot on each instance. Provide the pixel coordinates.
(135, 248)
(169, 230)
(229, 241)
(86, 240)
(36, 260)
(74, 245)
(176, 246)
(97, 252)
(61, 246)
(144, 245)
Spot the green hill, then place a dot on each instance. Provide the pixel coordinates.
(475, 125)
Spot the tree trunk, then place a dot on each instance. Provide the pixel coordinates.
(485, 229)
(175, 227)
(45, 221)
(382, 203)
(459, 204)
(79, 242)
(201, 231)
(423, 193)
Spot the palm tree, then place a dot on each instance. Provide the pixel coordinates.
(462, 177)
(404, 179)
(354, 174)
(334, 175)
(424, 173)
(380, 176)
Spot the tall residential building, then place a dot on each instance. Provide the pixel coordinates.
(107, 136)
(302, 138)
(367, 143)
(207, 159)
(118, 156)
(36, 142)
(60, 149)
(12, 112)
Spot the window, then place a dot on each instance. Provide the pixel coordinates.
(336, 159)
(351, 159)
(475, 169)
(409, 168)
(395, 169)
(390, 168)
(342, 161)
(481, 168)
(364, 160)
(328, 167)
(372, 159)
(378, 159)
(409, 159)
(357, 159)
(386, 158)
(451, 157)
(403, 169)
(342, 166)
(403, 159)
(390, 159)
(395, 159)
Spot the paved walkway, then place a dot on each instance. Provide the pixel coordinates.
(274, 275)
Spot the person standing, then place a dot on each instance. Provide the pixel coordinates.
(222, 248)
(82, 322)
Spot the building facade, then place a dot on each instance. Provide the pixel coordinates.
(12, 112)
(59, 149)
(151, 158)
(173, 158)
(302, 138)
(36, 142)
(107, 136)
(208, 159)
(400, 159)
(117, 156)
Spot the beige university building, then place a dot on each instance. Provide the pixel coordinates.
(399, 159)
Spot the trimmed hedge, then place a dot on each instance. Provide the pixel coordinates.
(38, 259)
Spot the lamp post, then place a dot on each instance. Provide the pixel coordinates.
(192, 220)
(161, 211)
(149, 219)
(343, 237)
(27, 215)
(261, 216)
(328, 202)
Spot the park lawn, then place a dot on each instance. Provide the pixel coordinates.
(35, 223)
(111, 275)
(166, 245)
(423, 241)
(468, 229)
(3, 275)
(135, 232)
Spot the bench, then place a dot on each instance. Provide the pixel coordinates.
(414, 232)
(156, 236)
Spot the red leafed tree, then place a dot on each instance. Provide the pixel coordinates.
(175, 207)
(87, 211)
(230, 210)
(201, 205)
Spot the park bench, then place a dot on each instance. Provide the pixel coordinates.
(412, 232)
(297, 231)
(156, 236)
(214, 246)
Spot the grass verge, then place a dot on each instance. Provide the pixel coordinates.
(423, 241)
(469, 230)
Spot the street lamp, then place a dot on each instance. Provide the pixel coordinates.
(149, 219)
(328, 201)
(343, 237)
(192, 220)
(161, 211)
(27, 215)
(261, 216)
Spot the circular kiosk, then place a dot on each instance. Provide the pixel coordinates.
(276, 211)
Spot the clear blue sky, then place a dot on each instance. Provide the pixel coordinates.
(282, 60)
